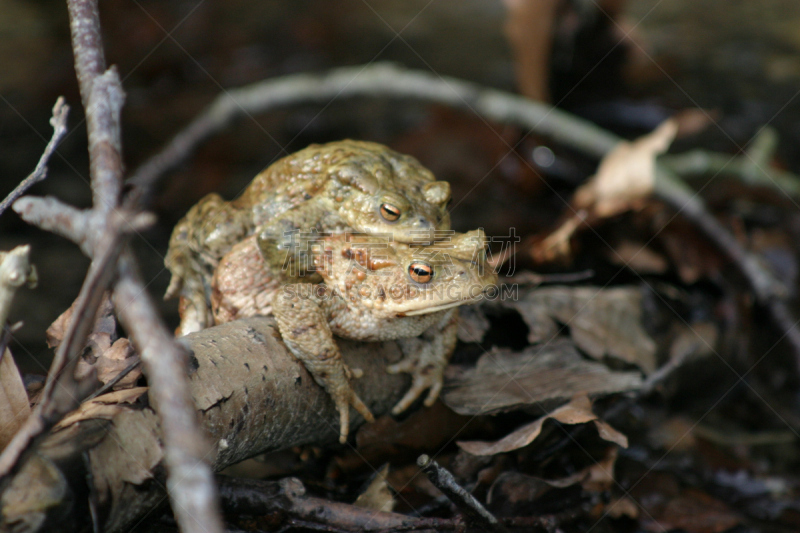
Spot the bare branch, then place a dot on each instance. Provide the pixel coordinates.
(55, 216)
(59, 123)
(105, 149)
(187, 451)
(87, 44)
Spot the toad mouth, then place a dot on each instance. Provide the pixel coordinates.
(442, 307)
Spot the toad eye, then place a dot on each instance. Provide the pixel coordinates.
(390, 212)
(420, 272)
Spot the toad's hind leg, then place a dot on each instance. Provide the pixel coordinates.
(304, 328)
(426, 358)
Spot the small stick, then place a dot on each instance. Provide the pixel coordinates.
(475, 513)
(116, 379)
(59, 123)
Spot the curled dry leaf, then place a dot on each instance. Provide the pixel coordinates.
(112, 361)
(595, 477)
(14, 406)
(377, 496)
(627, 175)
(104, 407)
(577, 411)
(601, 321)
(625, 178)
(102, 336)
(503, 380)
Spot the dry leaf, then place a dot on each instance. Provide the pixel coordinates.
(627, 174)
(514, 493)
(601, 321)
(14, 406)
(625, 178)
(127, 457)
(114, 360)
(578, 411)
(377, 496)
(695, 512)
(104, 407)
(624, 506)
(503, 380)
(596, 477)
(103, 332)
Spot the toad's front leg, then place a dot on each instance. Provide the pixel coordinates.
(303, 325)
(426, 358)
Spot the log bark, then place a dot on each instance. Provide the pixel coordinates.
(252, 397)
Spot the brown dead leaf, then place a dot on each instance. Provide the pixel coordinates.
(127, 457)
(596, 477)
(377, 496)
(624, 179)
(577, 411)
(695, 512)
(624, 506)
(104, 407)
(503, 380)
(626, 175)
(111, 362)
(513, 493)
(103, 333)
(397, 440)
(600, 476)
(601, 321)
(14, 406)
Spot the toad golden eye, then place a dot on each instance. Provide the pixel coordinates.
(390, 212)
(420, 272)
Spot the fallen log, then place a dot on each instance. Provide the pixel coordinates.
(104, 462)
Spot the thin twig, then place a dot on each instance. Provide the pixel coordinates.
(475, 513)
(751, 168)
(59, 123)
(116, 379)
(187, 451)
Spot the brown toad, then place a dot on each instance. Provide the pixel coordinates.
(335, 187)
(373, 290)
